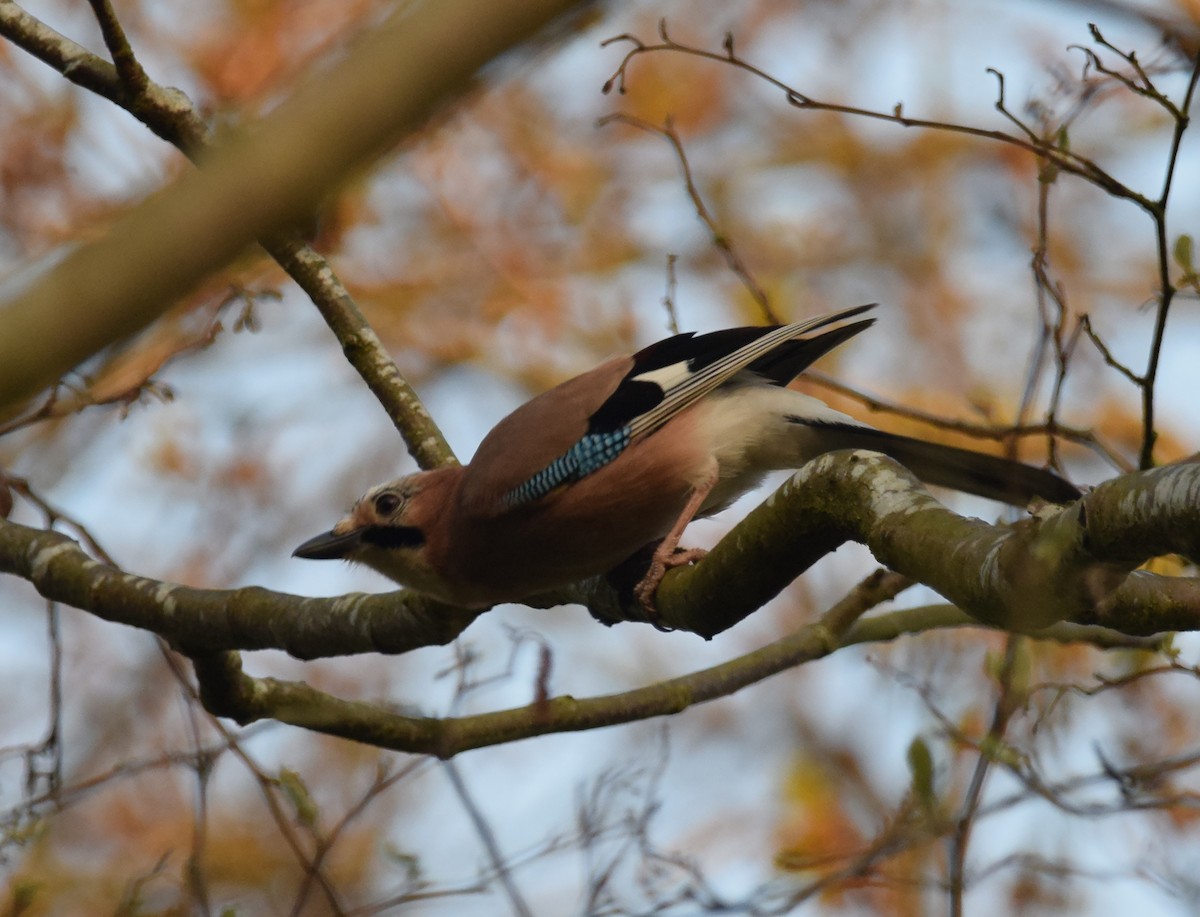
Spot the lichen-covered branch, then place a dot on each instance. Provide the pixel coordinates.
(1063, 564)
(229, 691)
(209, 620)
(1069, 563)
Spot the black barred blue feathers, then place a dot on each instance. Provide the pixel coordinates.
(588, 455)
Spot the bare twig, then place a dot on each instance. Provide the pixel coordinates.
(719, 238)
(1085, 322)
(129, 68)
(1066, 160)
(1166, 287)
(1006, 704)
(668, 299)
(488, 838)
(998, 432)
(384, 780)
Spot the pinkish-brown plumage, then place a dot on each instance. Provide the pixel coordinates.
(580, 478)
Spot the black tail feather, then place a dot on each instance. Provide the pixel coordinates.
(948, 466)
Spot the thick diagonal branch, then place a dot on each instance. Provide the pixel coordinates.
(1067, 564)
(257, 181)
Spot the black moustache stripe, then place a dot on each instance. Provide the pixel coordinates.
(391, 537)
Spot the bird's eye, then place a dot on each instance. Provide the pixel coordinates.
(387, 503)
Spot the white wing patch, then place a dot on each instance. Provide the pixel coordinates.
(666, 377)
(682, 387)
(690, 387)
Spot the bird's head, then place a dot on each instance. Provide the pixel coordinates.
(386, 530)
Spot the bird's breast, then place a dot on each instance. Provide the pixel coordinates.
(583, 528)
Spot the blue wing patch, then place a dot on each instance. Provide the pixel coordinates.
(590, 454)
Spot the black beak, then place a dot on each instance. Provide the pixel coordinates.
(328, 546)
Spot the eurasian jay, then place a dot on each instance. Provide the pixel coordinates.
(580, 478)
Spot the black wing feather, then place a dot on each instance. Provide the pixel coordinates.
(636, 397)
(790, 359)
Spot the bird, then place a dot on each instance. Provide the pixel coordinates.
(597, 469)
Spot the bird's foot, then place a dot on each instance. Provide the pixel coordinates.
(662, 562)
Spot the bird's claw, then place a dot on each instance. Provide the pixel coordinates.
(645, 590)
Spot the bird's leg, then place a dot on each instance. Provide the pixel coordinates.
(668, 554)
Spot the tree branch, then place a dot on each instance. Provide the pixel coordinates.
(1066, 561)
(208, 620)
(257, 181)
(1066, 160)
(720, 238)
(170, 115)
(1065, 564)
(228, 691)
